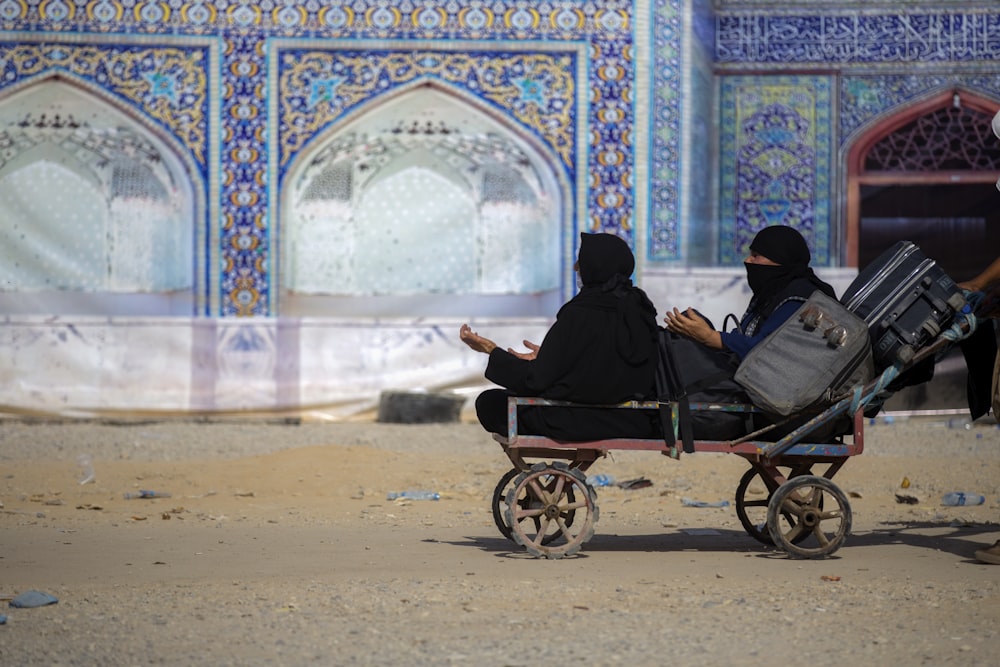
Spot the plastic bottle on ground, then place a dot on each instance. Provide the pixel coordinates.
(958, 498)
(413, 495)
(86, 465)
(146, 493)
(690, 502)
(601, 480)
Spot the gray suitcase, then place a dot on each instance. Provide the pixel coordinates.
(813, 358)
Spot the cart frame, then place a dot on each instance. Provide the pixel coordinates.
(549, 508)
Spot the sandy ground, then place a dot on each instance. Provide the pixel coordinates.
(277, 546)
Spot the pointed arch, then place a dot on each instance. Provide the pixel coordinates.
(512, 238)
(879, 129)
(148, 239)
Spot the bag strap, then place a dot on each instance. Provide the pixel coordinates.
(670, 387)
(685, 424)
(708, 381)
(667, 424)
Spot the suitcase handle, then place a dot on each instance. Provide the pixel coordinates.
(813, 317)
(922, 292)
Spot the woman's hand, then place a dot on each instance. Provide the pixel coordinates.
(475, 341)
(527, 356)
(691, 325)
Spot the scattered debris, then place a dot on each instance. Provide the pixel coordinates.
(30, 599)
(632, 484)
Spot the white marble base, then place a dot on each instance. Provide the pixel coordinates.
(326, 367)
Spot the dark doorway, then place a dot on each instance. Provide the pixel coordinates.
(956, 225)
(928, 175)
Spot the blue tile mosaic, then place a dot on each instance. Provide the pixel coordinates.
(775, 155)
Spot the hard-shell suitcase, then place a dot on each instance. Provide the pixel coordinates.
(816, 356)
(906, 299)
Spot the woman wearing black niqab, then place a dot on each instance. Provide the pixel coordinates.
(601, 350)
(781, 280)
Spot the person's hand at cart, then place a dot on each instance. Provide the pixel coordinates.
(691, 324)
(987, 282)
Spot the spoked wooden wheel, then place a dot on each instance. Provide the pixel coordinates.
(804, 498)
(500, 493)
(551, 511)
(753, 512)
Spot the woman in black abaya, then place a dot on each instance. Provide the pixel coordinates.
(781, 280)
(601, 350)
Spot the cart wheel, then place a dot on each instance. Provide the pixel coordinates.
(500, 502)
(500, 493)
(803, 497)
(753, 513)
(551, 510)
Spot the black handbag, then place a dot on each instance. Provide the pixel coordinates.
(690, 373)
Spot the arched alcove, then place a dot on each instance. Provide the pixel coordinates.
(927, 172)
(424, 203)
(98, 211)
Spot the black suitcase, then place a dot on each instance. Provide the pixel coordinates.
(906, 300)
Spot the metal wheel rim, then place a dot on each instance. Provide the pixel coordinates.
(805, 497)
(500, 502)
(756, 525)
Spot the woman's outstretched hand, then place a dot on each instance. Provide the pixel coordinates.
(485, 345)
(527, 356)
(475, 341)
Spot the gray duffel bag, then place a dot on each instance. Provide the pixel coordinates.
(813, 358)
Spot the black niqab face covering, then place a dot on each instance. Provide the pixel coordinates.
(602, 257)
(765, 279)
(786, 247)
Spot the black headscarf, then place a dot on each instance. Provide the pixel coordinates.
(605, 263)
(604, 257)
(787, 247)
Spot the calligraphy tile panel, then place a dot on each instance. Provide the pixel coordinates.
(902, 34)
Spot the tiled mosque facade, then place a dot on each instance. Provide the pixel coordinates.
(291, 204)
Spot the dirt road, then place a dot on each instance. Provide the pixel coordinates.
(277, 546)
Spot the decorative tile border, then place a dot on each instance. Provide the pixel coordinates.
(665, 132)
(168, 85)
(864, 98)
